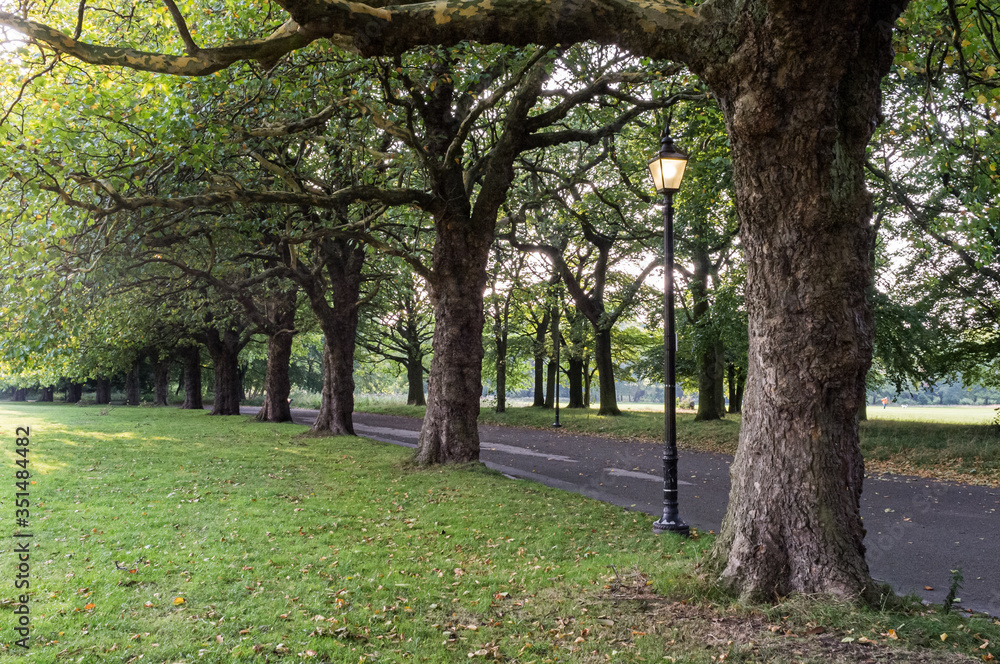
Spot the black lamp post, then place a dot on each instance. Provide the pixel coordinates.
(667, 169)
(555, 342)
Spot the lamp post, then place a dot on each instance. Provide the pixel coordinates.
(667, 169)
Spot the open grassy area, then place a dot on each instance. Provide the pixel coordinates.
(186, 538)
(955, 443)
(936, 414)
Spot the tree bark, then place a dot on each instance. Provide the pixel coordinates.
(277, 384)
(801, 97)
(711, 367)
(415, 382)
(161, 381)
(550, 384)
(501, 371)
(192, 379)
(280, 326)
(342, 261)
(541, 329)
(132, 385)
(863, 405)
(736, 382)
(224, 347)
(102, 392)
(74, 392)
(710, 371)
(450, 432)
(605, 373)
(48, 394)
(574, 372)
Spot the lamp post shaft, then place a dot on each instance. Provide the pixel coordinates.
(670, 521)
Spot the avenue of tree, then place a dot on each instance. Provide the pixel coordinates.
(313, 176)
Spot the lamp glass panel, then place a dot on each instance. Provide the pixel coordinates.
(667, 173)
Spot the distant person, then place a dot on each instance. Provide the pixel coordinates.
(885, 402)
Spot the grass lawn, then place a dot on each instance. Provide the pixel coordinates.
(171, 536)
(955, 443)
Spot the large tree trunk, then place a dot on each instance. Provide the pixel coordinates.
(540, 356)
(711, 367)
(48, 394)
(450, 432)
(415, 382)
(720, 378)
(863, 405)
(575, 376)
(74, 392)
(132, 385)
(192, 379)
(224, 347)
(277, 384)
(343, 261)
(161, 381)
(736, 381)
(605, 373)
(337, 406)
(102, 391)
(801, 98)
(550, 384)
(501, 371)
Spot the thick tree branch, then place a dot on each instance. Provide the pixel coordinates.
(658, 29)
(205, 61)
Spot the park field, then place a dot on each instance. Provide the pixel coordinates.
(937, 414)
(172, 536)
(954, 443)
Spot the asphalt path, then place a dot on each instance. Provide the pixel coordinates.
(918, 530)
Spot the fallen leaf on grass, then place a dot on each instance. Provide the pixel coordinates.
(179, 600)
(892, 634)
(89, 607)
(944, 637)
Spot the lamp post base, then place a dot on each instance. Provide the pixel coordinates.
(556, 425)
(678, 527)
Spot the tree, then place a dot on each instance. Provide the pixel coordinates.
(398, 327)
(933, 166)
(581, 196)
(503, 283)
(799, 87)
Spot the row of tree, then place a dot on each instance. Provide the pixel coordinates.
(149, 211)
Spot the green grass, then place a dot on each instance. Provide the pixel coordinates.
(938, 414)
(188, 538)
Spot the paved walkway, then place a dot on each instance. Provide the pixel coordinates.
(918, 530)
